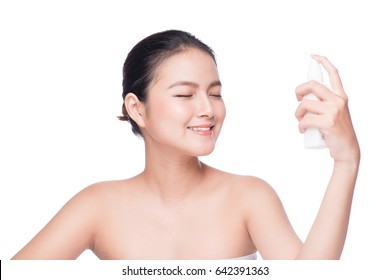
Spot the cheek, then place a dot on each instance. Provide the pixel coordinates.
(167, 113)
(220, 111)
(183, 110)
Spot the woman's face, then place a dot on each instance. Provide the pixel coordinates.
(185, 111)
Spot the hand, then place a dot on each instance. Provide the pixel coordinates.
(330, 115)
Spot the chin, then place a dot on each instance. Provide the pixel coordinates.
(203, 151)
(203, 154)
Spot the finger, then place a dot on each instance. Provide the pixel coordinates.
(320, 122)
(334, 77)
(310, 106)
(318, 89)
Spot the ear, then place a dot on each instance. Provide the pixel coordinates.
(135, 109)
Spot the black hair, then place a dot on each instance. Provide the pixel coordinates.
(141, 63)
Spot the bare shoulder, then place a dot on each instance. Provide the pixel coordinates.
(251, 194)
(100, 190)
(73, 228)
(107, 189)
(107, 193)
(249, 187)
(258, 197)
(256, 188)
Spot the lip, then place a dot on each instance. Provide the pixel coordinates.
(201, 127)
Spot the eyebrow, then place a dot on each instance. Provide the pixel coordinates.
(193, 84)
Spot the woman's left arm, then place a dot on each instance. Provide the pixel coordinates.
(331, 116)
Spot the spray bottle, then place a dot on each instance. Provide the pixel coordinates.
(313, 137)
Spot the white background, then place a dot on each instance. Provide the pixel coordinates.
(60, 88)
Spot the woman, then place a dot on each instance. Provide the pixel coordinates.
(180, 208)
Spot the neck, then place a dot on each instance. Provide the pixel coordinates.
(172, 177)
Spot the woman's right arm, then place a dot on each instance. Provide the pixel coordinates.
(69, 233)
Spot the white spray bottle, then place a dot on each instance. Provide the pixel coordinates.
(313, 137)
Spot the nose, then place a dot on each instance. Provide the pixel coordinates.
(205, 106)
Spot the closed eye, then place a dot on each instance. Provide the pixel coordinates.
(183, 95)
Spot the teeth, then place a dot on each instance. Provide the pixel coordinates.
(200, 128)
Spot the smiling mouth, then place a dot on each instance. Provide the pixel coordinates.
(204, 130)
(201, 128)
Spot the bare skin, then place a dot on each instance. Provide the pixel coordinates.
(179, 208)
